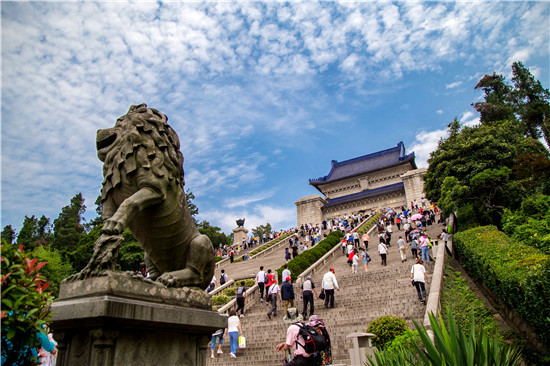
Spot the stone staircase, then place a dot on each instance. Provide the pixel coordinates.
(362, 298)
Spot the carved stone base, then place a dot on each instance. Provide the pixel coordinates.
(100, 321)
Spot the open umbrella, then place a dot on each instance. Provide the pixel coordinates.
(416, 217)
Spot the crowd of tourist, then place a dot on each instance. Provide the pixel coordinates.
(408, 225)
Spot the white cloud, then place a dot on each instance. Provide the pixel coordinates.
(425, 142)
(279, 217)
(233, 202)
(453, 85)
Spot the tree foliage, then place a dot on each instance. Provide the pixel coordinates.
(34, 232)
(476, 166)
(526, 101)
(214, 233)
(56, 269)
(262, 229)
(8, 234)
(68, 227)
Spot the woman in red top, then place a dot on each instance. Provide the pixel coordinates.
(269, 279)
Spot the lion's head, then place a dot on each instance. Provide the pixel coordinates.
(140, 140)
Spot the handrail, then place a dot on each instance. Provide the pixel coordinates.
(433, 305)
(266, 250)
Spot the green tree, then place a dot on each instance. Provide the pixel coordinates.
(526, 101)
(193, 209)
(474, 166)
(56, 269)
(531, 102)
(68, 227)
(8, 234)
(27, 234)
(217, 237)
(131, 253)
(496, 106)
(262, 229)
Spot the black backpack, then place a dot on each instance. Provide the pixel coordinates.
(222, 279)
(313, 340)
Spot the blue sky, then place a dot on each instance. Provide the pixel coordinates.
(262, 95)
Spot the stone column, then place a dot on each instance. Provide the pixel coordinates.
(239, 234)
(116, 320)
(308, 210)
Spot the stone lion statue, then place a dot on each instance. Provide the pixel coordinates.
(143, 190)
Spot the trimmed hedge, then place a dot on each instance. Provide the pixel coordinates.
(369, 223)
(518, 274)
(305, 259)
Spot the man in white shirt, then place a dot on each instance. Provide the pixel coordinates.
(260, 280)
(329, 284)
(286, 272)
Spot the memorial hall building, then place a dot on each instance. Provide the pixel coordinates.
(387, 178)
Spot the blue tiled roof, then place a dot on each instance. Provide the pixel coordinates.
(365, 194)
(366, 163)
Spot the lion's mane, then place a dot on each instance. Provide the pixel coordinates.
(148, 143)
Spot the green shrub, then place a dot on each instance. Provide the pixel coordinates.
(531, 224)
(25, 305)
(305, 259)
(519, 275)
(451, 347)
(386, 328)
(220, 300)
(407, 340)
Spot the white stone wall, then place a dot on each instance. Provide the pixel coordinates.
(308, 210)
(414, 185)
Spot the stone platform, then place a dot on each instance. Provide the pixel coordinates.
(118, 320)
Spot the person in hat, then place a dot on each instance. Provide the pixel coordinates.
(272, 297)
(287, 294)
(301, 357)
(329, 284)
(307, 290)
(323, 357)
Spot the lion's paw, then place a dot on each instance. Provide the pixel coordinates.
(183, 277)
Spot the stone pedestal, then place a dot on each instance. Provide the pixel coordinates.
(239, 234)
(117, 320)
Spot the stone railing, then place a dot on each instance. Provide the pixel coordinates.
(267, 250)
(219, 289)
(252, 296)
(433, 305)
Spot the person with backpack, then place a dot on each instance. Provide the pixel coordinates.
(223, 278)
(322, 356)
(241, 298)
(295, 340)
(260, 280)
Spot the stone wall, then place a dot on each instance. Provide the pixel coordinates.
(308, 210)
(414, 184)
